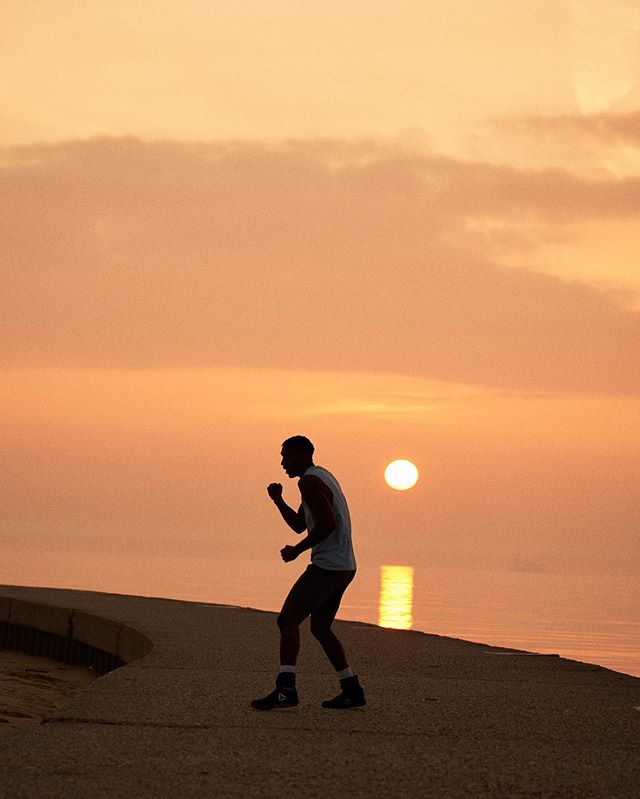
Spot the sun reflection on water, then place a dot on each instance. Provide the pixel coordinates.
(396, 597)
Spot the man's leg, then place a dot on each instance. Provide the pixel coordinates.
(285, 694)
(289, 620)
(322, 618)
(320, 625)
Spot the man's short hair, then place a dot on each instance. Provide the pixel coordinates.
(299, 442)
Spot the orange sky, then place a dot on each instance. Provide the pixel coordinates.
(402, 229)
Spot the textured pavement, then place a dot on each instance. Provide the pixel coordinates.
(445, 717)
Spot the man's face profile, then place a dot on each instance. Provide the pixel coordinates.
(293, 461)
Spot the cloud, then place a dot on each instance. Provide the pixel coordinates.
(319, 254)
(609, 127)
(600, 145)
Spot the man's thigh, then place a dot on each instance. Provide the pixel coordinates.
(315, 588)
(326, 612)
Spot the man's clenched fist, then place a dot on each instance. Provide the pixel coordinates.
(289, 553)
(275, 490)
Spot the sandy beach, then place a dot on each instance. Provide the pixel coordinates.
(33, 687)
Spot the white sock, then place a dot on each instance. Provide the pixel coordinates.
(344, 673)
(287, 668)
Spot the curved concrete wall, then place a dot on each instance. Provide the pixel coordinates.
(69, 635)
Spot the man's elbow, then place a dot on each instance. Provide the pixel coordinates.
(329, 524)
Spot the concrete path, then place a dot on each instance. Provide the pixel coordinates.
(445, 717)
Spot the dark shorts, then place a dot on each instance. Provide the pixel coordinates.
(319, 591)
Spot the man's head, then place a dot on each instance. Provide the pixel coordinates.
(297, 455)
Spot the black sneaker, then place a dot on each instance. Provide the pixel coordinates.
(284, 695)
(352, 695)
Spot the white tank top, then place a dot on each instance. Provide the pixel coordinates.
(336, 550)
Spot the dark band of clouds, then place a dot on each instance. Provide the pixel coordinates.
(320, 254)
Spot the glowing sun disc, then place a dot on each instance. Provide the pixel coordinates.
(401, 475)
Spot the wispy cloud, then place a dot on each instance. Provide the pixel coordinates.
(608, 127)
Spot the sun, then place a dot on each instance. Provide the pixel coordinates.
(401, 475)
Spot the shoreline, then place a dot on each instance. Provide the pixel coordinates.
(509, 644)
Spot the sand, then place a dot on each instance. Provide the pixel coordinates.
(32, 687)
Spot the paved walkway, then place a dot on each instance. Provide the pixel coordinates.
(446, 718)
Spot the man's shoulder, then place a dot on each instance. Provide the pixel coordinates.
(310, 479)
(311, 482)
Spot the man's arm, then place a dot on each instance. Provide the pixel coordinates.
(296, 521)
(317, 496)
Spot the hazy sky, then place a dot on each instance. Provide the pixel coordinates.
(404, 229)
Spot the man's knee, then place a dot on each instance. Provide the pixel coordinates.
(320, 628)
(285, 621)
(290, 617)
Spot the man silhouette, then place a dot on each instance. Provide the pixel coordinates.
(319, 589)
